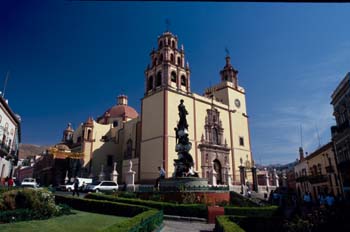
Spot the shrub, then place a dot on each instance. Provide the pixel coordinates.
(17, 215)
(224, 224)
(189, 198)
(267, 211)
(101, 206)
(146, 221)
(258, 223)
(187, 210)
(41, 202)
(237, 199)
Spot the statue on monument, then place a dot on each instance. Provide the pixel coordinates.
(182, 114)
(184, 163)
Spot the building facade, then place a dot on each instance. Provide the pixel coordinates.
(218, 124)
(9, 139)
(341, 132)
(317, 173)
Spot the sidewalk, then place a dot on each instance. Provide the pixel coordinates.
(186, 226)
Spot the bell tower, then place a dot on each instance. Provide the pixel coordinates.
(228, 73)
(167, 68)
(68, 134)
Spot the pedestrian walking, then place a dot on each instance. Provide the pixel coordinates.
(76, 186)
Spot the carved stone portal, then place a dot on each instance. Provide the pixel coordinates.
(215, 154)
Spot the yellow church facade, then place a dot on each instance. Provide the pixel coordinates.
(218, 124)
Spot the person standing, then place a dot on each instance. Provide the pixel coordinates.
(161, 176)
(76, 186)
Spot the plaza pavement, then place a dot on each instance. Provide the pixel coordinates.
(188, 226)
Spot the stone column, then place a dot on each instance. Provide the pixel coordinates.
(114, 175)
(255, 179)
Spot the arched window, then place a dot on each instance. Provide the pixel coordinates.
(160, 44)
(150, 83)
(128, 152)
(173, 76)
(89, 137)
(183, 80)
(172, 58)
(154, 62)
(161, 58)
(173, 44)
(159, 79)
(179, 61)
(215, 136)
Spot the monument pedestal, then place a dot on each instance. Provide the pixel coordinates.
(181, 183)
(130, 180)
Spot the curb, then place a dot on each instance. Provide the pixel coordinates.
(181, 218)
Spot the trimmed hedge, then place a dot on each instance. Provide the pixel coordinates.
(237, 199)
(224, 224)
(186, 210)
(258, 223)
(267, 211)
(103, 207)
(146, 221)
(17, 215)
(143, 218)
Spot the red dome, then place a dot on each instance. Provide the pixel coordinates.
(122, 111)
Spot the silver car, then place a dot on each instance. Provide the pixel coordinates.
(102, 186)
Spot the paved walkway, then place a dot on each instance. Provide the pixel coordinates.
(186, 226)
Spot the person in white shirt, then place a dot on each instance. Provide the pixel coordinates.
(161, 176)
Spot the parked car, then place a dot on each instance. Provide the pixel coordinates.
(101, 186)
(83, 182)
(29, 182)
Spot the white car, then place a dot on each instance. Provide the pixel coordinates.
(103, 186)
(29, 182)
(83, 182)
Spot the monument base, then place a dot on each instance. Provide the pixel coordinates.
(181, 183)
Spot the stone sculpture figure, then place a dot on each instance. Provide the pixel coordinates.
(182, 114)
(184, 163)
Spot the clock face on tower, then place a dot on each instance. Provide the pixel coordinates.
(237, 103)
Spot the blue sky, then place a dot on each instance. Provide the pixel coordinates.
(69, 60)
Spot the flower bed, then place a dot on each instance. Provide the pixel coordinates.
(28, 204)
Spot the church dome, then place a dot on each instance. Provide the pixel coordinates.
(118, 111)
(121, 110)
(62, 147)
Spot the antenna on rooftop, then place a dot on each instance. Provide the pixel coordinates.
(5, 83)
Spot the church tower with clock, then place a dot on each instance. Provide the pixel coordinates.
(218, 121)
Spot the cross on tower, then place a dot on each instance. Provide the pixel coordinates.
(227, 52)
(167, 23)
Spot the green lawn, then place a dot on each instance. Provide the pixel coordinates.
(79, 221)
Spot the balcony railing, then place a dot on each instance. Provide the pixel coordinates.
(5, 148)
(330, 169)
(315, 179)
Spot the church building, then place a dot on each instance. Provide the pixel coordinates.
(218, 125)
